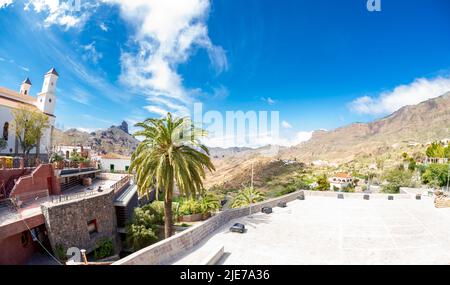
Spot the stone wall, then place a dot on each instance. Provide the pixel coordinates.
(169, 249)
(67, 223)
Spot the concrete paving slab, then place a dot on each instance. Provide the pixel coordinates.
(325, 230)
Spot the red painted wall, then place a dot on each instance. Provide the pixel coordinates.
(19, 226)
(38, 181)
(13, 252)
(5, 174)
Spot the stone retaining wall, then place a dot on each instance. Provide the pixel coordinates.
(358, 195)
(67, 222)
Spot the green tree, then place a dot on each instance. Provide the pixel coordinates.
(412, 164)
(170, 154)
(3, 144)
(447, 151)
(29, 126)
(435, 150)
(436, 175)
(396, 178)
(322, 183)
(247, 196)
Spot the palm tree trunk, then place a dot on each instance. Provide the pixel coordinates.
(168, 212)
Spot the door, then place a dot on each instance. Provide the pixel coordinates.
(50, 185)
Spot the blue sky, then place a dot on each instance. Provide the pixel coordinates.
(322, 64)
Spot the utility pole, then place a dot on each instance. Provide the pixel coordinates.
(251, 185)
(251, 195)
(448, 176)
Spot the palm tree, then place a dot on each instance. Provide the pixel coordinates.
(247, 196)
(170, 155)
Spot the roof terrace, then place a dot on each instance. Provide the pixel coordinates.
(325, 230)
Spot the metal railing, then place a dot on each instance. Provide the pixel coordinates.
(70, 197)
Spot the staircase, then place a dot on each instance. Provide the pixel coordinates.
(7, 187)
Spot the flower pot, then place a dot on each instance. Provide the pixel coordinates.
(206, 216)
(191, 218)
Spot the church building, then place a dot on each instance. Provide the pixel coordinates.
(44, 102)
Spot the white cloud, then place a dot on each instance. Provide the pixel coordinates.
(418, 91)
(5, 3)
(259, 141)
(220, 92)
(91, 53)
(156, 110)
(81, 96)
(104, 27)
(268, 100)
(166, 33)
(86, 130)
(286, 125)
(68, 14)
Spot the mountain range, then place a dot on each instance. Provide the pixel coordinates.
(409, 130)
(115, 139)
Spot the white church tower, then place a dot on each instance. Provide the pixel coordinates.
(25, 87)
(46, 100)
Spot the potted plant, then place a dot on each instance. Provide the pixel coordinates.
(57, 160)
(84, 162)
(208, 205)
(190, 211)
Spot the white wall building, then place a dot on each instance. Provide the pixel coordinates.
(340, 181)
(44, 102)
(67, 150)
(115, 163)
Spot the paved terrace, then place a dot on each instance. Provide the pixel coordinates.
(33, 209)
(325, 230)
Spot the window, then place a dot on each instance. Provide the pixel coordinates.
(25, 92)
(111, 167)
(5, 131)
(50, 100)
(92, 227)
(126, 168)
(24, 239)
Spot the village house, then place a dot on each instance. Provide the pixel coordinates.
(340, 181)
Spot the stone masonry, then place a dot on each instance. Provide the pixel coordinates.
(67, 223)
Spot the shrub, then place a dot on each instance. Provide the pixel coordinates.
(139, 236)
(56, 158)
(190, 207)
(60, 253)
(396, 178)
(209, 203)
(348, 189)
(105, 248)
(436, 175)
(287, 190)
(247, 196)
(322, 183)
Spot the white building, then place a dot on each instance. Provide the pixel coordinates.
(115, 163)
(44, 102)
(67, 150)
(340, 181)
